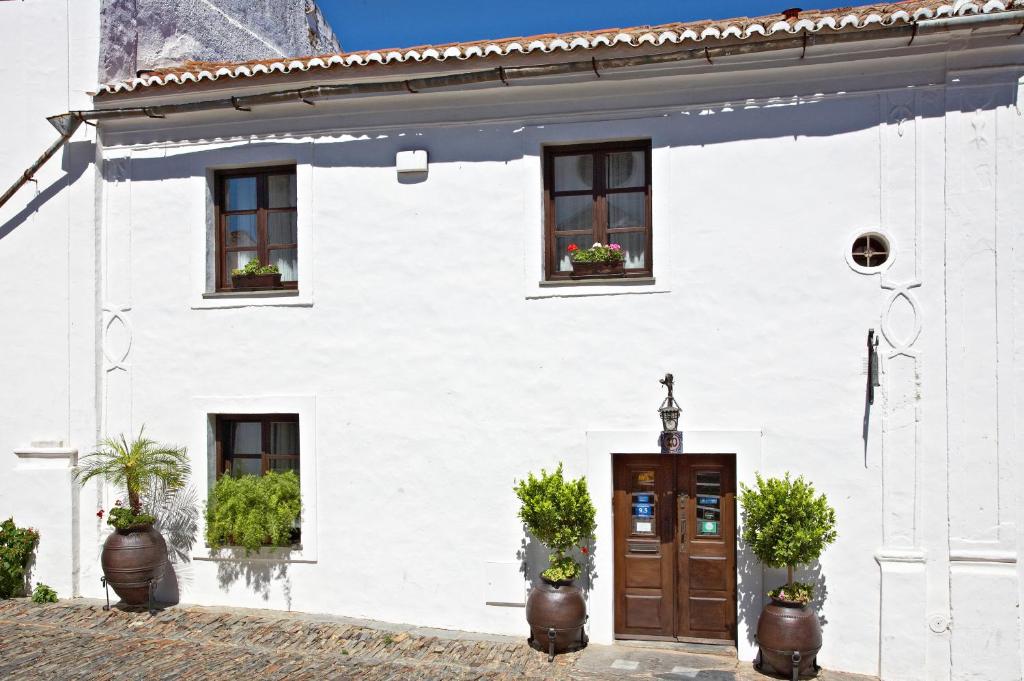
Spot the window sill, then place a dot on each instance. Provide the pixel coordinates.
(266, 554)
(609, 281)
(266, 297)
(579, 288)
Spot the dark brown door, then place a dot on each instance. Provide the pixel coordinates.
(706, 544)
(675, 540)
(644, 546)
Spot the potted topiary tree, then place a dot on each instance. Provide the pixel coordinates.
(134, 555)
(786, 525)
(558, 513)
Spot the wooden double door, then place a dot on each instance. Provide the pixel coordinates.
(675, 546)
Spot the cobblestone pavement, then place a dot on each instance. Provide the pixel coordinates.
(78, 640)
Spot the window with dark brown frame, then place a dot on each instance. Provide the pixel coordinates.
(256, 219)
(252, 444)
(598, 193)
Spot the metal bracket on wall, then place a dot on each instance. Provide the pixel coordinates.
(873, 379)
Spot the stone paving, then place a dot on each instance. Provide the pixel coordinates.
(78, 640)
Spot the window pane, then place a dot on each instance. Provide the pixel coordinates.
(241, 193)
(281, 228)
(626, 210)
(236, 260)
(574, 172)
(287, 263)
(241, 467)
(281, 189)
(625, 169)
(634, 248)
(246, 437)
(281, 465)
(284, 437)
(574, 212)
(562, 263)
(240, 230)
(709, 490)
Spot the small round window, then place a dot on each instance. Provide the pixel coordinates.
(870, 250)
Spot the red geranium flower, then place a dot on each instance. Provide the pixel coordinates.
(99, 513)
(584, 550)
(573, 247)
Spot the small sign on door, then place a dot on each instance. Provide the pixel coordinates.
(643, 510)
(708, 527)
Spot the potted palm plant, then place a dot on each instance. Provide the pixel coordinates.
(786, 525)
(558, 513)
(597, 261)
(135, 553)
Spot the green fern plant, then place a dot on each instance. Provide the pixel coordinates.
(253, 511)
(134, 466)
(786, 525)
(560, 514)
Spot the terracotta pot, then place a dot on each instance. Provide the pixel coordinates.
(131, 558)
(255, 281)
(598, 269)
(557, 606)
(785, 628)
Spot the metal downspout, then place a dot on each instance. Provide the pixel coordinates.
(66, 125)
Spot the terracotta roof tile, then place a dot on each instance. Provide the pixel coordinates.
(741, 28)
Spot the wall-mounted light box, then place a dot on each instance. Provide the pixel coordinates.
(414, 161)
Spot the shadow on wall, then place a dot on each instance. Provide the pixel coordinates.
(816, 577)
(782, 117)
(258, 575)
(533, 559)
(749, 586)
(177, 519)
(76, 158)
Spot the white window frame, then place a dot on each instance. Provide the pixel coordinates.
(202, 448)
(202, 219)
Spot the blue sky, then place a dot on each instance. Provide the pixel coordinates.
(372, 24)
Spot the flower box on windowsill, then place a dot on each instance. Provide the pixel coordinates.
(594, 270)
(255, 282)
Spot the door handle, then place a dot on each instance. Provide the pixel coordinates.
(681, 503)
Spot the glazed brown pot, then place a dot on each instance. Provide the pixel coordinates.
(598, 269)
(785, 628)
(557, 606)
(131, 558)
(255, 281)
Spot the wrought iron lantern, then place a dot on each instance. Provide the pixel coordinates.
(671, 439)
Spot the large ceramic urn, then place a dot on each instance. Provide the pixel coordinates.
(789, 636)
(133, 559)
(556, 613)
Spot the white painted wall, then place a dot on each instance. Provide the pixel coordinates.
(437, 370)
(48, 52)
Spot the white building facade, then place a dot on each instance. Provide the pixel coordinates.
(431, 351)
